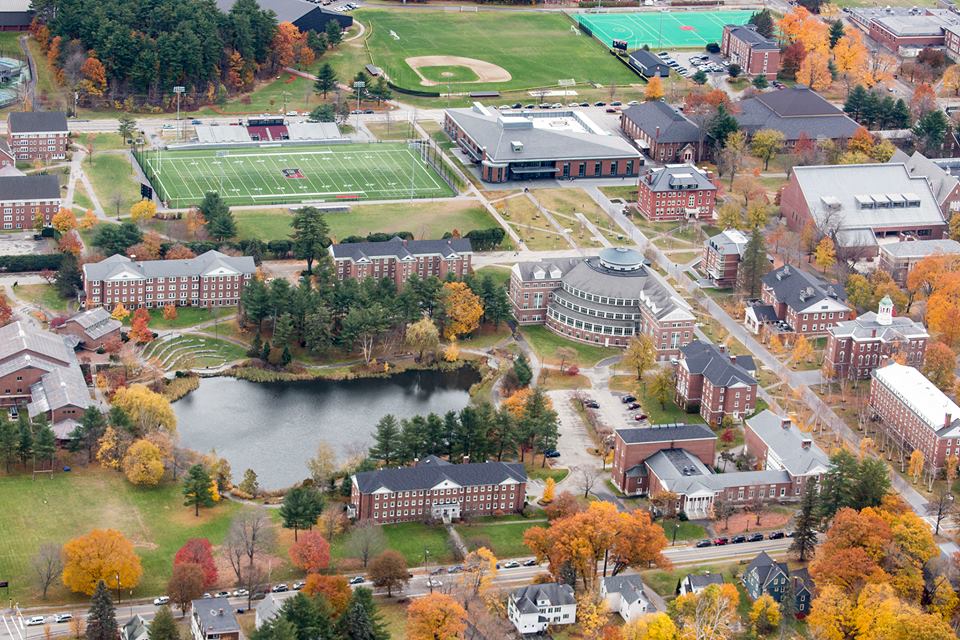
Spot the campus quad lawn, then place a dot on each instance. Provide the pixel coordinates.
(44, 295)
(546, 343)
(425, 220)
(411, 538)
(278, 175)
(62, 506)
(506, 539)
(687, 531)
(536, 49)
(110, 174)
(186, 317)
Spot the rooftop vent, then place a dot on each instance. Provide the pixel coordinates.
(516, 146)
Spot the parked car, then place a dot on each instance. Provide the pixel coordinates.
(280, 588)
(357, 580)
(616, 103)
(223, 594)
(593, 404)
(62, 617)
(299, 584)
(532, 562)
(437, 571)
(356, 112)
(195, 121)
(640, 417)
(517, 105)
(663, 54)
(368, 111)
(632, 102)
(529, 106)
(633, 406)
(738, 539)
(704, 543)
(240, 593)
(207, 595)
(755, 537)
(584, 104)
(34, 621)
(573, 104)
(627, 399)
(259, 595)
(792, 534)
(511, 564)
(777, 535)
(457, 568)
(599, 103)
(162, 600)
(720, 541)
(434, 583)
(613, 110)
(551, 453)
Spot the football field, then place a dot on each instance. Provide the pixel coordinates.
(291, 175)
(662, 29)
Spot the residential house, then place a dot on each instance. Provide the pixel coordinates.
(136, 628)
(266, 610)
(756, 54)
(212, 279)
(663, 133)
(856, 347)
(398, 259)
(722, 254)
(38, 135)
(778, 444)
(676, 192)
(715, 382)
(434, 489)
(766, 575)
(803, 304)
(25, 198)
(213, 619)
(697, 582)
(632, 446)
(629, 596)
(899, 258)
(535, 607)
(92, 328)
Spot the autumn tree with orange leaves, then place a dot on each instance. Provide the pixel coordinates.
(290, 47)
(140, 326)
(599, 534)
(64, 220)
(334, 589)
(923, 100)
(102, 554)
(94, 77)
(943, 309)
(436, 616)
(850, 57)
(311, 552)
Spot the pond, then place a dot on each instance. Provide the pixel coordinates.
(274, 428)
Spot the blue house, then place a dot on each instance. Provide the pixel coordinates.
(766, 575)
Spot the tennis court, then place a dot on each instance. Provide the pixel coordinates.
(662, 29)
(290, 175)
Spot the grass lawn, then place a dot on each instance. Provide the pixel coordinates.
(665, 582)
(687, 531)
(527, 46)
(506, 540)
(535, 472)
(485, 337)
(63, 506)
(394, 616)
(500, 275)
(113, 181)
(626, 192)
(425, 220)
(663, 415)
(546, 343)
(43, 295)
(80, 197)
(294, 92)
(401, 130)
(411, 538)
(103, 142)
(556, 381)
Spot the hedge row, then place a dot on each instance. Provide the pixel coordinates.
(30, 262)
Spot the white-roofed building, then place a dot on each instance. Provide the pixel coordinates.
(722, 254)
(899, 258)
(629, 596)
(914, 415)
(778, 444)
(862, 205)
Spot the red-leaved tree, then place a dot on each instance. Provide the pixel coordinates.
(198, 551)
(311, 552)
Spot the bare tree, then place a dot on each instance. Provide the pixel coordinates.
(235, 551)
(366, 541)
(253, 532)
(941, 507)
(586, 478)
(117, 199)
(47, 566)
(253, 578)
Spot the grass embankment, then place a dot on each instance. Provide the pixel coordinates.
(545, 343)
(504, 539)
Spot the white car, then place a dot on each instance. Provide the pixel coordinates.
(162, 600)
(240, 592)
(62, 617)
(35, 621)
(434, 583)
(512, 564)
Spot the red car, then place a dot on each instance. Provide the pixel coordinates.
(720, 541)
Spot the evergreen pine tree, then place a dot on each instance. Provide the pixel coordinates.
(521, 369)
(361, 621)
(265, 352)
(386, 440)
(163, 626)
(334, 33)
(286, 357)
(44, 442)
(25, 439)
(346, 487)
(256, 347)
(763, 21)
(68, 280)
(196, 489)
(901, 115)
(853, 106)
(837, 486)
(102, 619)
(871, 483)
(836, 32)
(277, 629)
(754, 264)
(300, 509)
(805, 529)
(8, 441)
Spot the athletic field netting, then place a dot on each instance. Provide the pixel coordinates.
(290, 175)
(661, 29)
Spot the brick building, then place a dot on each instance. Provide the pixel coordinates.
(861, 204)
(899, 258)
(795, 112)
(915, 27)
(676, 192)
(722, 254)
(527, 145)
(856, 347)
(801, 303)
(7, 159)
(92, 328)
(633, 446)
(912, 414)
(776, 443)
(212, 279)
(398, 259)
(604, 300)
(663, 133)
(756, 54)
(715, 383)
(437, 490)
(939, 173)
(23, 197)
(38, 135)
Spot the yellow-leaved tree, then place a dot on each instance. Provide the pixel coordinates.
(549, 490)
(463, 309)
(143, 464)
(64, 220)
(436, 616)
(764, 615)
(825, 255)
(654, 90)
(915, 466)
(147, 409)
(651, 626)
(143, 211)
(89, 220)
(102, 554)
(120, 312)
(111, 448)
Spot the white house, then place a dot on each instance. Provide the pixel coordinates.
(628, 596)
(266, 610)
(697, 582)
(533, 608)
(136, 628)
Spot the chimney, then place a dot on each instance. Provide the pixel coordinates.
(656, 134)
(220, 612)
(873, 333)
(806, 443)
(733, 359)
(466, 459)
(722, 348)
(404, 241)
(785, 423)
(947, 420)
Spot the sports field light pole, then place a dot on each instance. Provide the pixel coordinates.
(178, 90)
(358, 87)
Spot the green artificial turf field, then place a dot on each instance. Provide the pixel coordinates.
(536, 49)
(662, 29)
(289, 175)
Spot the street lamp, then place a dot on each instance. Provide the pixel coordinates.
(118, 587)
(178, 90)
(676, 528)
(426, 554)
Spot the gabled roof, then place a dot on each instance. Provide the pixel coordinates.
(867, 327)
(729, 242)
(673, 125)
(802, 580)
(216, 615)
(428, 476)
(40, 187)
(62, 387)
(675, 177)
(794, 111)
(800, 290)
(750, 35)
(37, 121)
(210, 263)
(665, 433)
(918, 164)
(648, 61)
(17, 337)
(401, 249)
(556, 594)
(630, 587)
(767, 569)
(268, 608)
(722, 369)
(286, 10)
(135, 628)
(763, 312)
(701, 580)
(683, 473)
(797, 451)
(545, 270)
(96, 322)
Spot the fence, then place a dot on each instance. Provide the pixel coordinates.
(433, 156)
